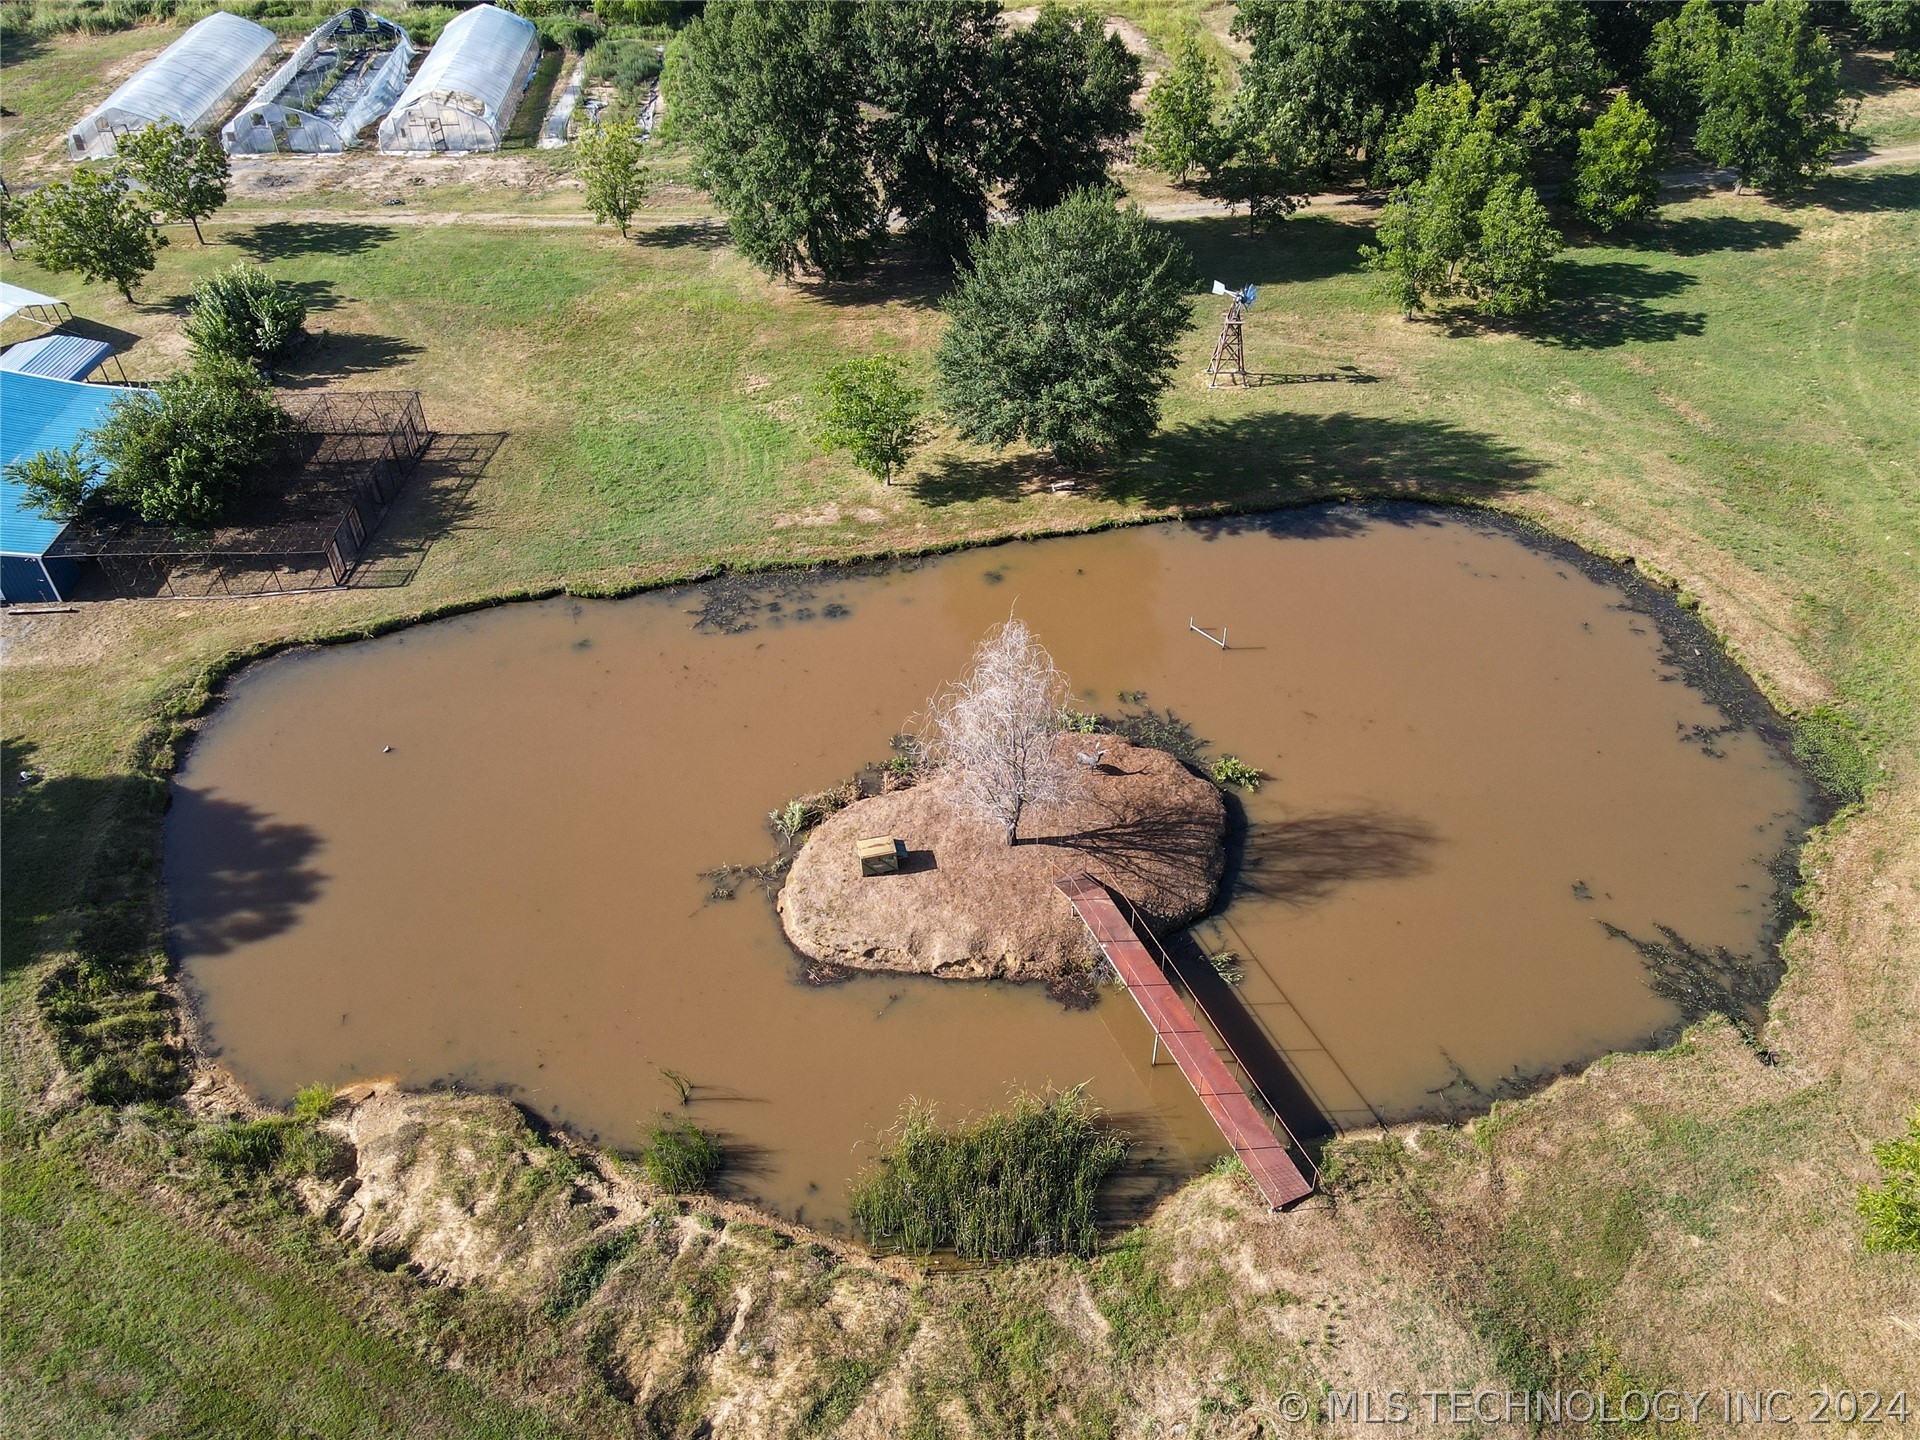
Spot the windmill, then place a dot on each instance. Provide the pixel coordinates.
(1229, 363)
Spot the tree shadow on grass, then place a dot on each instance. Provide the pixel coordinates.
(234, 874)
(1710, 234)
(1602, 304)
(952, 480)
(1302, 248)
(684, 235)
(437, 499)
(1285, 457)
(1860, 191)
(900, 276)
(319, 296)
(1248, 460)
(289, 239)
(332, 356)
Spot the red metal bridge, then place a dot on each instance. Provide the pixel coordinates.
(1268, 1159)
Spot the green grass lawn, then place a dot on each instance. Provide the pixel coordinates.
(1727, 395)
(123, 1319)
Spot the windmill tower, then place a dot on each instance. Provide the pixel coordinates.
(1229, 363)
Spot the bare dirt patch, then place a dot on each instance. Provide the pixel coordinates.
(969, 906)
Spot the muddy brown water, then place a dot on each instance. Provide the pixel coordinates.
(1488, 769)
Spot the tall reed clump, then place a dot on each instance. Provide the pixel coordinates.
(1021, 1180)
(680, 1157)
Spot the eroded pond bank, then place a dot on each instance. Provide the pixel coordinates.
(1488, 768)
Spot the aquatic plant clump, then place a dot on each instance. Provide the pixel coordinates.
(680, 1157)
(1232, 770)
(1017, 1181)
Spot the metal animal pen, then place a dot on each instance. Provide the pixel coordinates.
(301, 527)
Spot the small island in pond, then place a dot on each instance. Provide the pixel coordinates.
(968, 905)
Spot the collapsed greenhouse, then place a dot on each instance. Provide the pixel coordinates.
(343, 77)
(194, 81)
(468, 87)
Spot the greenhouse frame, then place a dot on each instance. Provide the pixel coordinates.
(342, 78)
(194, 81)
(468, 87)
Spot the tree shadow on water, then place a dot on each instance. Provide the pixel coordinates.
(1303, 860)
(234, 874)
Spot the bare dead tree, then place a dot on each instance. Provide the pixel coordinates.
(994, 731)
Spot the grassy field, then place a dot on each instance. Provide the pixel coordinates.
(1726, 396)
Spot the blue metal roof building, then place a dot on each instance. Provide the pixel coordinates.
(38, 413)
(57, 356)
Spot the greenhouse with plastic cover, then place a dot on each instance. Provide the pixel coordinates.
(341, 79)
(466, 90)
(194, 81)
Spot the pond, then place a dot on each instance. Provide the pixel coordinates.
(1521, 812)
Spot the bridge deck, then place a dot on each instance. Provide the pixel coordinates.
(1225, 1099)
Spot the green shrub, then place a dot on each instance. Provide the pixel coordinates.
(569, 30)
(1892, 1208)
(680, 1157)
(587, 1269)
(1832, 748)
(277, 1145)
(183, 452)
(627, 63)
(314, 1103)
(1232, 770)
(1159, 730)
(1022, 1180)
(1226, 964)
(801, 814)
(244, 314)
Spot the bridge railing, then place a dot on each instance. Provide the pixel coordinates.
(1164, 960)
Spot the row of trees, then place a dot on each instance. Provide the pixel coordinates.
(1754, 87)
(815, 125)
(1334, 89)
(104, 224)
